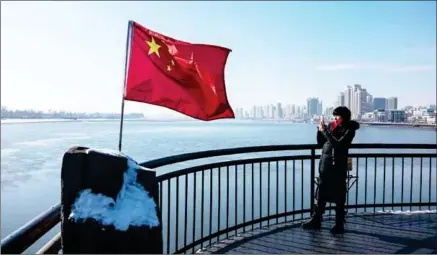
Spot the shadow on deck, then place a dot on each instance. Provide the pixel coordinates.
(379, 233)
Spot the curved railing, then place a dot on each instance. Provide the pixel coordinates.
(208, 202)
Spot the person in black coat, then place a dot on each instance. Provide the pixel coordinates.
(335, 140)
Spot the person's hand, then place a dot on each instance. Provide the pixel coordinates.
(321, 125)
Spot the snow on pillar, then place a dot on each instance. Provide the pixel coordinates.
(109, 204)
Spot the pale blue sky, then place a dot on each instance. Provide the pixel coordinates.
(70, 55)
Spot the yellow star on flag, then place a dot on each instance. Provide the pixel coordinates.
(154, 47)
(172, 62)
(168, 68)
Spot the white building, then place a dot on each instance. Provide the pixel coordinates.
(357, 99)
(368, 116)
(392, 103)
(341, 99)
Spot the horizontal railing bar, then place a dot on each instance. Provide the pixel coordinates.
(24, 237)
(53, 246)
(254, 149)
(389, 155)
(199, 168)
(424, 204)
(221, 152)
(266, 218)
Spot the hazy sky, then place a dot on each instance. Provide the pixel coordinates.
(70, 55)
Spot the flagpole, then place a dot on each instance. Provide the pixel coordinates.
(128, 41)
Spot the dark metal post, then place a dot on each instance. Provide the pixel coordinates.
(313, 176)
(120, 135)
(128, 42)
(147, 178)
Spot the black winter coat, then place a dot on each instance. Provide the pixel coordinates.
(333, 161)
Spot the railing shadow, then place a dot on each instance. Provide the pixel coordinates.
(363, 236)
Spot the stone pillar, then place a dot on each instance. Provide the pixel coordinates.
(109, 204)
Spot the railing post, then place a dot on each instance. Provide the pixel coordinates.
(109, 177)
(312, 178)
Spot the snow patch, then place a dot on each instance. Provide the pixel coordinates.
(408, 212)
(114, 153)
(132, 207)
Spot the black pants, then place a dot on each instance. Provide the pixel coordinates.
(339, 210)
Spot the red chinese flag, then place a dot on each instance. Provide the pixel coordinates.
(185, 77)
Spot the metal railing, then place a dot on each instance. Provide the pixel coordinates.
(206, 203)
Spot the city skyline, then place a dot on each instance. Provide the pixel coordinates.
(356, 97)
(320, 108)
(302, 49)
(302, 113)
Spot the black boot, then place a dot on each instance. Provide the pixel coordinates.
(314, 223)
(316, 220)
(339, 223)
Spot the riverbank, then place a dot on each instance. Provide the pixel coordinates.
(390, 124)
(19, 121)
(362, 123)
(24, 121)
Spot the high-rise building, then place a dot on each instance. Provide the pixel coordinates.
(354, 102)
(319, 108)
(368, 105)
(259, 112)
(328, 111)
(313, 106)
(356, 107)
(392, 103)
(293, 110)
(369, 98)
(287, 111)
(364, 105)
(267, 111)
(280, 112)
(341, 99)
(379, 103)
(348, 97)
(357, 99)
(240, 113)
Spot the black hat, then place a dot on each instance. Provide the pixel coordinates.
(343, 112)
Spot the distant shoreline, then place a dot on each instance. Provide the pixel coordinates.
(361, 122)
(41, 120)
(406, 125)
(28, 121)
(25, 121)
